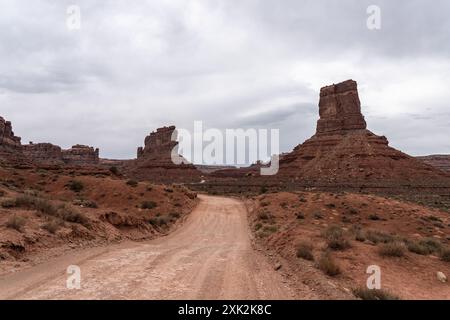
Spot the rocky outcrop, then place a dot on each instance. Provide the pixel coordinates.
(81, 155)
(49, 154)
(7, 138)
(340, 109)
(154, 160)
(43, 153)
(441, 162)
(10, 146)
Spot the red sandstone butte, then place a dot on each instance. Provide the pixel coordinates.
(154, 160)
(344, 152)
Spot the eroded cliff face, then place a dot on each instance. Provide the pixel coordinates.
(7, 138)
(440, 161)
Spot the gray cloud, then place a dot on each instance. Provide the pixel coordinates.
(134, 67)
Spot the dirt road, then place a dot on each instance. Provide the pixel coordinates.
(209, 257)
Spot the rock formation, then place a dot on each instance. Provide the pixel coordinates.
(43, 153)
(10, 146)
(344, 152)
(49, 154)
(441, 162)
(81, 155)
(7, 138)
(154, 160)
(340, 109)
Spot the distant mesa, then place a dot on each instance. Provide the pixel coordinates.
(154, 160)
(441, 162)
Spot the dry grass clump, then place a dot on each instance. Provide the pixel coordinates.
(336, 239)
(393, 249)
(327, 264)
(373, 294)
(304, 250)
(16, 222)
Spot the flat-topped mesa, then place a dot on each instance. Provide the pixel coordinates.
(81, 155)
(158, 144)
(340, 109)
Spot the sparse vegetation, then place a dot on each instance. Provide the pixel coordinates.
(424, 246)
(148, 205)
(327, 264)
(114, 170)
(393, 249)
(52, 226)
(378, 236)
(132, 183)
(304, 250)
(263, 190)
(76, 186)
(336, 239)
(373, 294)
(16, 222)
(70, 214)
(445, 255)
(374, 217)
(8, 203)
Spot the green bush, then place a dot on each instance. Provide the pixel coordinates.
(445, 255)
(52, 226)
(114, 170)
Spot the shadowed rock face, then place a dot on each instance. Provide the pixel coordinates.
(158, 145)
(340, 109)
(7, 137)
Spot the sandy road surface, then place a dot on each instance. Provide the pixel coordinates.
(209, 257)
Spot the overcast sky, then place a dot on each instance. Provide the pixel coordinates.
(138, 65)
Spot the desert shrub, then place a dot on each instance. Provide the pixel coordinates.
(336, 239)
(52, 226)
(76, 186)
(318, 215)
(264, 215)
(132, 183)
(378, 236)
(263, 190)
(70, 214)
(304, 250)
(175, 215)
(8, 203)
(393, 249)
(258, 226)
(86, 203)
(265, 204)
(270, 229)
(114, 170)
(433, 245)
(16, 222)
(424, 246)
(300, 216)
(327, 264)
(159, 221)
(330, 205)
(373, 294)
(374, 217)
(353, 211)
(168, 190)
(149, 205)
(445, 255)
